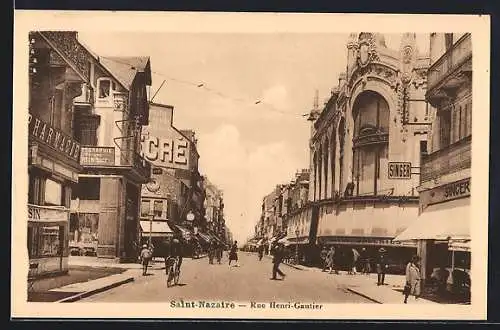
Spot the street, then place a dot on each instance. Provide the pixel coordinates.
(249, 282)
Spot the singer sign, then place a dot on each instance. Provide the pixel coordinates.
(167, 152)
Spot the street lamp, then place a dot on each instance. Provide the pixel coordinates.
(297, 246)
(151, 219)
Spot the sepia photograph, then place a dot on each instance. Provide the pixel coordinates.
(208, 166)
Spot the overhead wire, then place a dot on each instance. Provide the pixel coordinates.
(203, 86)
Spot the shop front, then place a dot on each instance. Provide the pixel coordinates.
(155, 233)
(442, 233)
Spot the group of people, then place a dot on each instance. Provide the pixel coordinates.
(169, 249)
(215, 252)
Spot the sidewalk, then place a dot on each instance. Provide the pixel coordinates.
(366, 286)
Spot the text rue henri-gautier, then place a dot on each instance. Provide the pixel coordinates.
(252, 305)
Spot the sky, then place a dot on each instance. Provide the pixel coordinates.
(248, 115)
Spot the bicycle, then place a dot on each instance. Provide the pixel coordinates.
(173, 271)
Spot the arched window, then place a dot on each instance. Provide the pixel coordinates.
(325, 166)
(371, 132)
(315, 169)
(332, 161)
(341, 133)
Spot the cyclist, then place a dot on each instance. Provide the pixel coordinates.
(174, 250)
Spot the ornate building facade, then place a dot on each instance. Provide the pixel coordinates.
(366, 144)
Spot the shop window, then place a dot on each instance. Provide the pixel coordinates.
(50, 241)
(87, 228)
(53, 193)
(104, 88)
(88, 189)
(158, 208)
(145, 207)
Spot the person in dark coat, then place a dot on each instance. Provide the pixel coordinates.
(219, 253)
(322, 255)
(260, 251)
(381, 266)
(233, 253)
(278, 254)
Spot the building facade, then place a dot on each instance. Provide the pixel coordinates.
(112, 109)
(366, 145)
(214, 209)
(57, 73)
(443, 226)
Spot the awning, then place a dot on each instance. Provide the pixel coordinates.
(206, 238)
(449, 220)
(186, 233)
(157, 228)
(295, 240)
(459, 246)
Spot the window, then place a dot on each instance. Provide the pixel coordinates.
(87, 134)
(53, 193)
(85, 229)
(158, 208)
(45, 241)
(88, 189)
(145, 207)
(371, 118)
(444, 117)
(104, 88)
(423, 147)
(448, 39)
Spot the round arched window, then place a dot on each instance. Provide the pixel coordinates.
(371, 141)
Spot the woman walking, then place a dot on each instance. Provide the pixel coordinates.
(412, 286)
(233, 253)
(330, 257)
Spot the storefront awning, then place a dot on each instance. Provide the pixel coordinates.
(459, 246)
(450, 220)
(295, 240)
(186, 233)
(205, 237)
(157, 228)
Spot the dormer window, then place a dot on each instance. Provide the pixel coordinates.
(104, 88)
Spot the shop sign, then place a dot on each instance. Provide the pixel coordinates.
(53, 137)
(44, 214)
(399, 170)
(168, 152)
(450, 191)
(97, 156)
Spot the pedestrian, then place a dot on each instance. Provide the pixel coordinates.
(412, 286)
(278, 253)
(211, 252)
(260, 251)
(323, 254)
(354, 261)
(365, 258)
(146, 255)
(219, 252)
(233, 253)
(330, 257)
(381, 266)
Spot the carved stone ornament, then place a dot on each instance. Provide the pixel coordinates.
(153, 186)
(367, 51)
(408, 57)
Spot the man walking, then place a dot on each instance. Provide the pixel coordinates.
(381, 266)
(323, 254)
(146, 255)
(260, 251)
(277, 259)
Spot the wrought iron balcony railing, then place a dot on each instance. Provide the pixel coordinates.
(451, 60)
(451, 159)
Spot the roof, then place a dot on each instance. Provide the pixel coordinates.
(124, 69)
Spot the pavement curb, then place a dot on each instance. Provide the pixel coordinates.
(364, 296)
(86, 294)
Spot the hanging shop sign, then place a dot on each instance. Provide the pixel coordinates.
(53, 137)
(399, 170)
(46, 214)
(97, 156)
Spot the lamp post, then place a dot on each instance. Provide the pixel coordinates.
(151, 219)
(297, 246)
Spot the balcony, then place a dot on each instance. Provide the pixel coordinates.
(104, 158)
(451, 159)
(454, 59)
